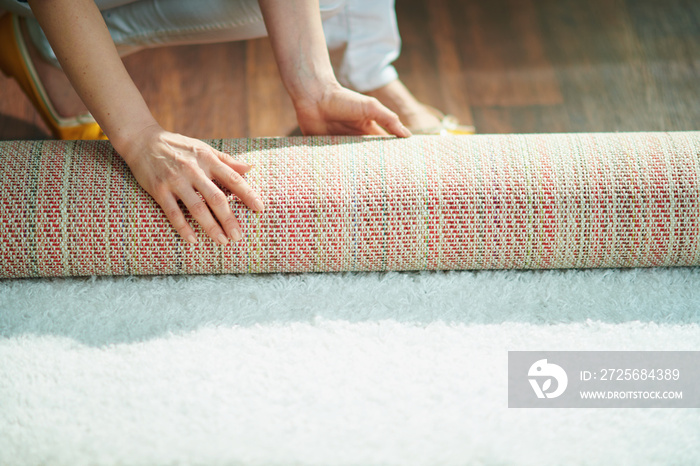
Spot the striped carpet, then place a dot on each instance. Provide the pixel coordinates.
(368, 204)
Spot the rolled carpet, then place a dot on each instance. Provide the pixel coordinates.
(368, 204)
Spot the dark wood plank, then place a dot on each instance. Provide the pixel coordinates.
(197, 90)
(451, 75)
(608, 81)
(669, 39)
(503, 53)
(270, 110)
(418, 69)
(523, 119)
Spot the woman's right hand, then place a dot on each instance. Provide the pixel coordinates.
(172, 167)
(169, 166)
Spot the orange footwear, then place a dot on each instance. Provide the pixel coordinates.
(16, 63)
(449, 125)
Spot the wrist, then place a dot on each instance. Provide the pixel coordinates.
(130, 137)
(311, 93)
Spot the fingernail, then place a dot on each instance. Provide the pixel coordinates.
(222, 239)
(236, 235)
(258, 205)
(406, 131)
(191, 238)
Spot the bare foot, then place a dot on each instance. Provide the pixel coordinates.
(399, 100)
(59, 90)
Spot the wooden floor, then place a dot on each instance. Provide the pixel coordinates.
(502, 65)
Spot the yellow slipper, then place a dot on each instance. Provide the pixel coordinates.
(16, 63)
(449, 125)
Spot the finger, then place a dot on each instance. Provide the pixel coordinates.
(177, 218)
(200, 211)
(218, 203)
(238, 165)
(238, 186)
(386, 118)
(376, 130)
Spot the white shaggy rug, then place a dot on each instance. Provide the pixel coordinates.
(395, 369)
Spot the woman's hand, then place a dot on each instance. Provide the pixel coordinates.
(342, 111)
(323, 106)
(170, 166)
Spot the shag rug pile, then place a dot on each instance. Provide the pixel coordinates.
(330, 369)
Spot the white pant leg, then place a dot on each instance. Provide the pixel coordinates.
(369, 31)
(139, 24)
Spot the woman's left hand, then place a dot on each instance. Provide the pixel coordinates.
(323, 106)
(340, 111)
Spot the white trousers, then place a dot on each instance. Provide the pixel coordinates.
(366, 28)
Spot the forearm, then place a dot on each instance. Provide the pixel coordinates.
(299, 45)
(87, 54)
